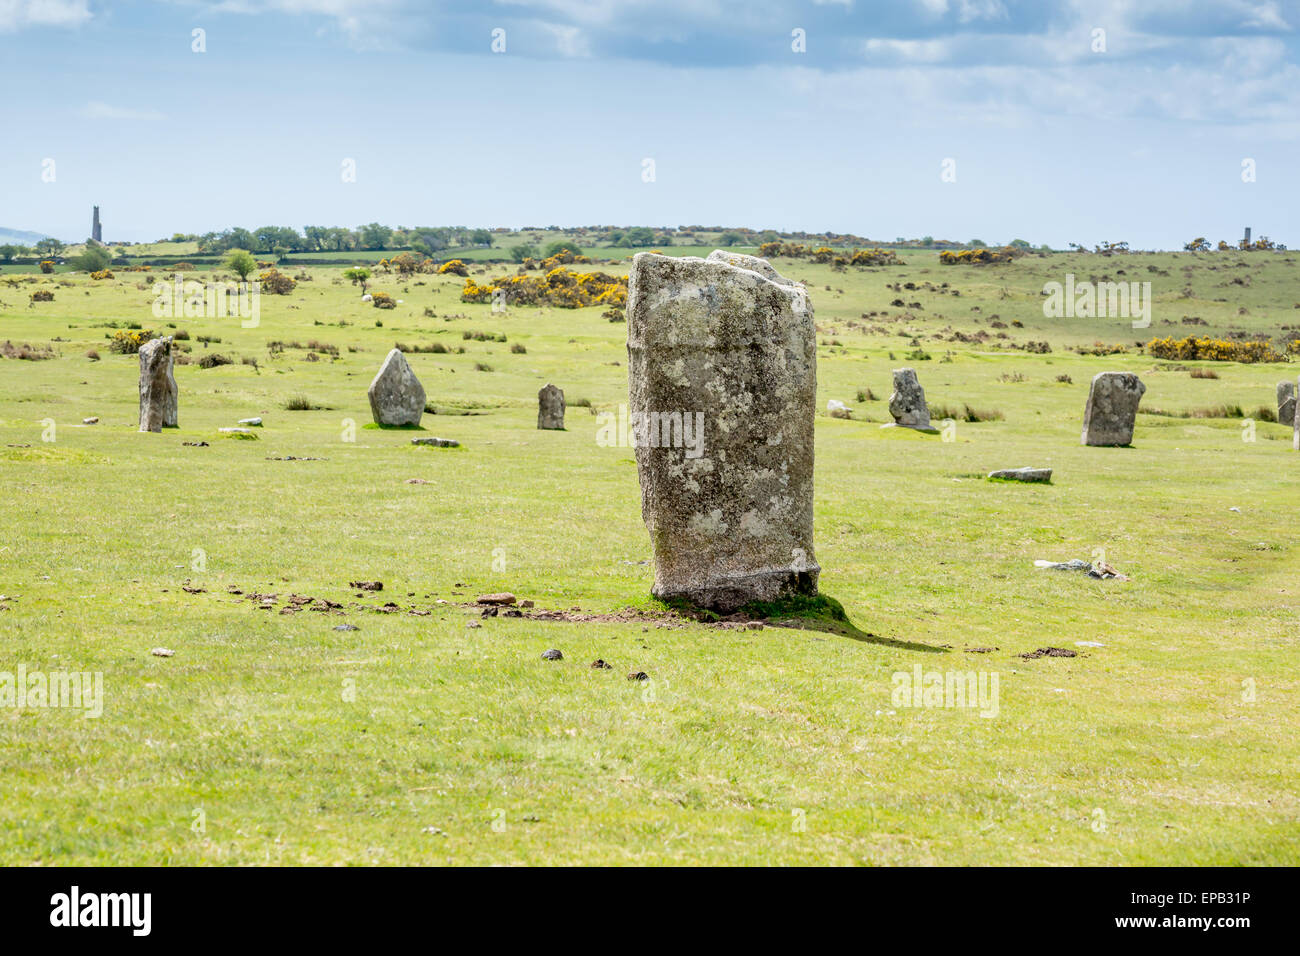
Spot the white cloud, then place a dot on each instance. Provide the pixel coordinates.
(17, 14)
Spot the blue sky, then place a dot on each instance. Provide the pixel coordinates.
(1053, 140)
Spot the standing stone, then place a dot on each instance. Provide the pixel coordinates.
(722, 374)
(1286, 402)
(396, 395)
(1111, 409)
(158, 401)
(550, 407)
(907, 404)
(1295, 424)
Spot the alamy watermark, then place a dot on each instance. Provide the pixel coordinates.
(951, 689)
(72, 690)
(211, 300)
(1098, 300)
(625, 429)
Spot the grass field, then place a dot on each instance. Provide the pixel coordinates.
(271, 737)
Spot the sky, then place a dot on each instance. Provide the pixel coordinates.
(1053, 121)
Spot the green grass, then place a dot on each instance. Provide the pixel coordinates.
(302, 744)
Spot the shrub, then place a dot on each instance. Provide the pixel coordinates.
(27, 352)
(1204, 373)
(128, 341)
(301, 403)
(559, 287)
(382, 300)
(93, 355)
(101, 274)
(866, 395)
(518, 349)
(43, 295)
(453, 267)
(213, 359)
(275, 282)
(1065, 379)
(47, 266)
(1214, 350)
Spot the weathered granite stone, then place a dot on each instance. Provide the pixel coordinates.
(396, 395)
(1286, 402)
(1295, 424)
(550, 407)
(907, 404)
(1112, 407)
(158, 401)
(752, 263)
(722, 376)
(436, 442)
(1021, 474)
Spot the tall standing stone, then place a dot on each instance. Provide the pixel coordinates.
(722, 373)
(550, 407)
(1295, 424)
(907, 404)
(396, 395)
(1286, 401)
(158, 397)
(1112, 408)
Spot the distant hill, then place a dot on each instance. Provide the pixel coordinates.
(19, 237)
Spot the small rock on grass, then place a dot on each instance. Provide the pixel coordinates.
(1022, 474)
(600, 665)
(552, 655)
(638, 675)
(1049, 652)
(346, 627)
(436, 442)
(474, 624)
(162, 652)
(501, 597)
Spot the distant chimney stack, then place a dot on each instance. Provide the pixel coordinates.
(1248, 235)
(97, 230)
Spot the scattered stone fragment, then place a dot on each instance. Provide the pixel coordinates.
(1049, 652)
(1022, 474)
(1112, 409)
(1089, 644)
(436, 442)
(552, 655)
(501, 597)
(600, 665)
(980, 650)
(195, 444)
(162, 652)
(474, 624)
(396, 395)
(722, 369)
(416, 481)
(525, 603)
(838, 409)
(1100, 570)
(550, 407)
(235, 431)
(189, 590)
(638, 675)
(346, 627)
(90, 421)
(367, 585)
(907, 403)
(252, 422)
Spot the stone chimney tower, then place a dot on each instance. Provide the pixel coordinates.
(1248, 235)
(96, 229)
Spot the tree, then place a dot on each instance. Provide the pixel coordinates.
(524, 251)
(977, 244)
(729, 239)
(375, 236)
(241, 262)
(1019, 244)
(92, 258)
(359, 274)
(49, 248)
(8, 251)
(481, 237)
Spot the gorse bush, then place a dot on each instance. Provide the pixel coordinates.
(101, 274)
(1214, 350)
(275, 282)
(382, 300)
(128, 341)
(560, 287)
